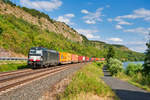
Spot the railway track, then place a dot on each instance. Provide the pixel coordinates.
(13, 79)
(2, 74)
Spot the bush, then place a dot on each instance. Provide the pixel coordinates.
(115, 66)
(133, 69)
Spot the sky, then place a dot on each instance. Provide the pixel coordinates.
(124, 22)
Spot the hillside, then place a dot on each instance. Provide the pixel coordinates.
(40, 19)
(23, 28)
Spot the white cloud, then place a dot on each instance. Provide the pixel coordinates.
(110, 19)
(138, 13)
(115, 39)
(89, 33)
(138, 30)
(90, 22)
(84, 11)
(136, 43)
(119, 27)
(42, 5)
(66, 18)
(121, 21)
(92, 18)
(107, 6)
(124, 23)
(138, 46)
(69, 15)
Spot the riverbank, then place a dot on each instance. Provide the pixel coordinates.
(132, 73)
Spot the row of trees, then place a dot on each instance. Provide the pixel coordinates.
(147, 59)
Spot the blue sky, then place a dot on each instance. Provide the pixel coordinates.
(125, 22)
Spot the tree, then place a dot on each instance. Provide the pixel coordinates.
(111, 53)
(147, 59)
(1, 30)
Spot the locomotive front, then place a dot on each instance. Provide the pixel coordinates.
(35, 57)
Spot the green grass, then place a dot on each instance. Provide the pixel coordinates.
(145, 87)
(87, 81)
(136, 80)
(12, 67)
(2, 62)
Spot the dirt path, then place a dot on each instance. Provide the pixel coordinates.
(124, 90)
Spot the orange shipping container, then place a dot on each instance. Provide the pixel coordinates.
(64, 57)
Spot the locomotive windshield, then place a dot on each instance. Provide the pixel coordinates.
(35, 51)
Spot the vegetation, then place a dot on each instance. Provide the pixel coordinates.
(115, 66)
(36, 13)
(134, 75)
(111, 53)
(12, 67)
(87, 82)
(147, 60)
(121, 52)
(133, 69)
(3, 62)
(19, 36)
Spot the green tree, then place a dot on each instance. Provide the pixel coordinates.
(111, 53)
(147, 59)
(115, 66)
(1, 30)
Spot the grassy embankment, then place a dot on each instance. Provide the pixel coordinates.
(132, 74)
(87, 85)
(12, 66)
(137, 79)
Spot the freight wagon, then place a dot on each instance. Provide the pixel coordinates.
(64, 58)
(74, 58)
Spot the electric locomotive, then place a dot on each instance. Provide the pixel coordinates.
(42, 57)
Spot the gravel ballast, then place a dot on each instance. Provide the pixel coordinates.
(34, 90)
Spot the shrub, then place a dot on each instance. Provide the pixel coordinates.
(115, 66)
(133, 69)
(1, 30)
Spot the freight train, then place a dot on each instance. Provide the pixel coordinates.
(39, 57)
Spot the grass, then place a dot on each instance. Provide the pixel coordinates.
(12, 67)
(87, 85)
(136, 80)
(2, 62)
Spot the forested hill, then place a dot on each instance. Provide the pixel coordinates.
(23, 28)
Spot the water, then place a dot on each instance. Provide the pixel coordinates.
(125, 64)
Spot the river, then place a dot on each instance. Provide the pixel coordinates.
(125, 64)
